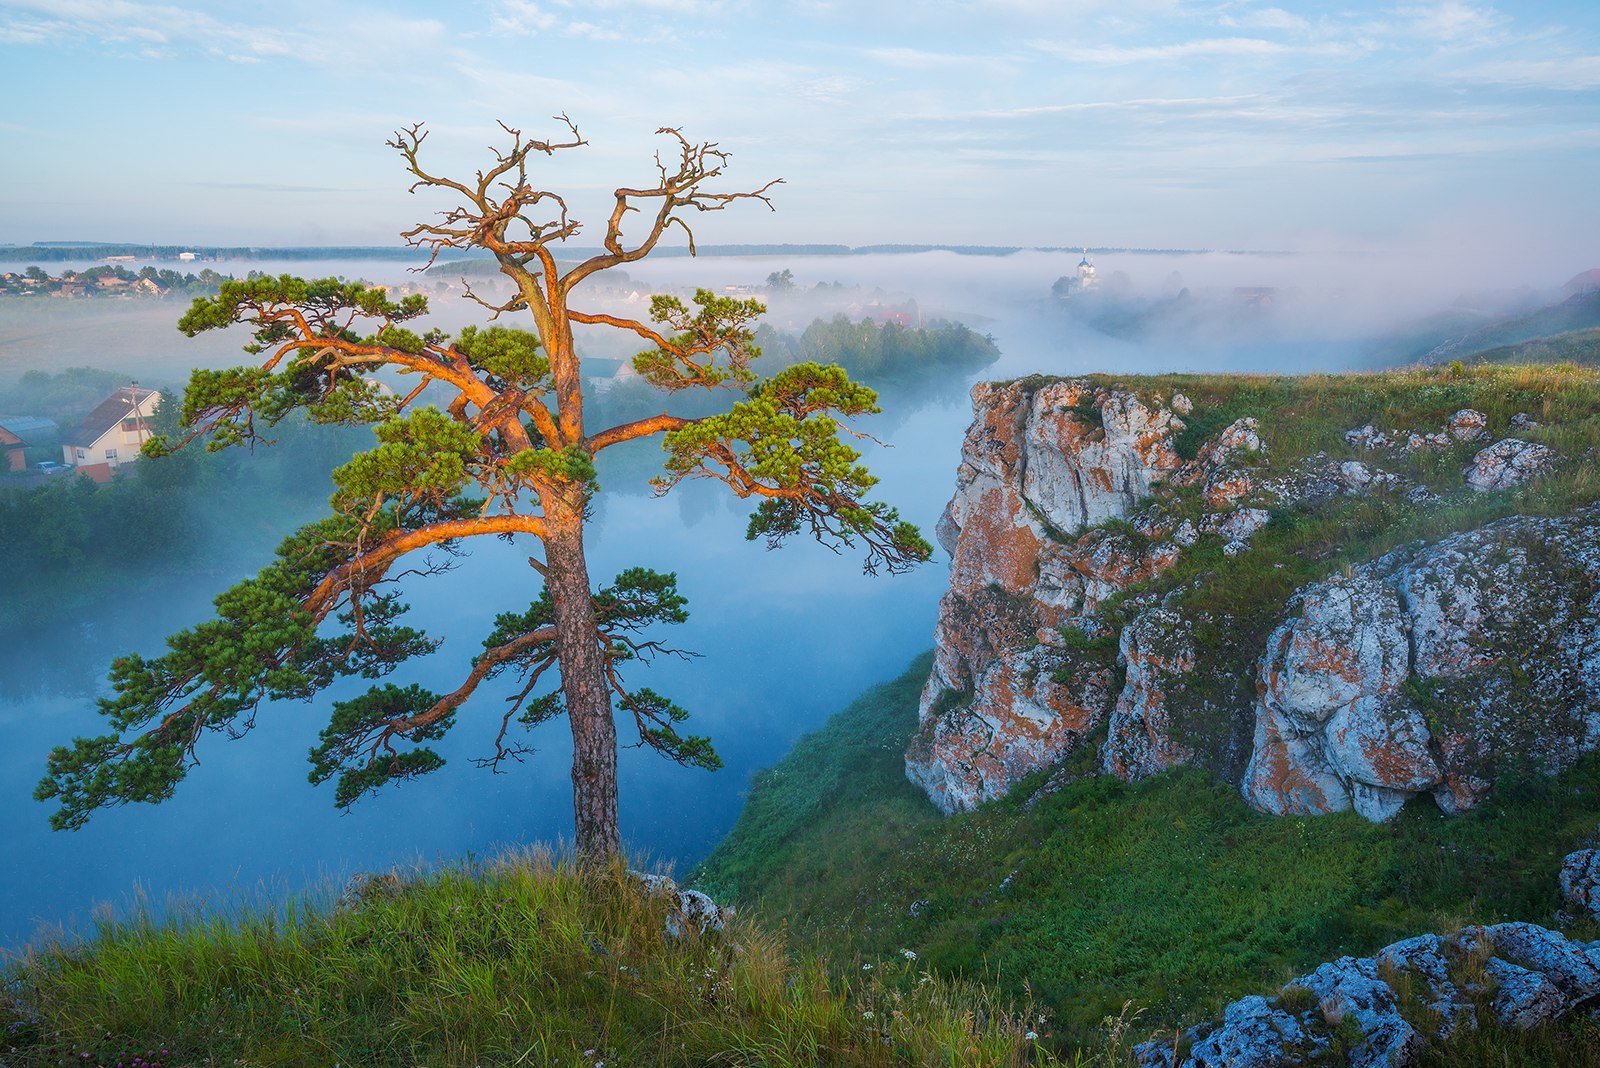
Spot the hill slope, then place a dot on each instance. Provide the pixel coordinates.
(1170, 893)
(520, 961)
(1088, 891)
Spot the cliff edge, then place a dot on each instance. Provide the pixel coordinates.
(1334, 592)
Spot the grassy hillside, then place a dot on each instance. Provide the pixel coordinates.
(518, 962)
(1088, 892)
(1573, 314)
(1170, 893)
(1574, 346)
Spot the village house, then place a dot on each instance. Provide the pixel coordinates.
(17, 432)
(111, 434)
(14, 449)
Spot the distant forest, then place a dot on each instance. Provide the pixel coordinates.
(72, 540)
(57, 251)
(881, 355)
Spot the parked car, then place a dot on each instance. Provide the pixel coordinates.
(48, 467)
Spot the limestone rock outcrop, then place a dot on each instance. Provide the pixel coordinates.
(1528, 975)
(1580, 880)
(1037, 466)
(1430, 670)
(686, 908)
(1507, 463)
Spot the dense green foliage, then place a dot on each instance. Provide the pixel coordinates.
(72, 541)
(882, 353)
(65, 396)
(1171, 893)
(515, 962)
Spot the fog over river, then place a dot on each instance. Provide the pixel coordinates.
(787, 637)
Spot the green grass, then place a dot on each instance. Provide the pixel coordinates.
(1304, 414)
(1170, 893)
(854, 764)
(1574, 346)
(522, 961)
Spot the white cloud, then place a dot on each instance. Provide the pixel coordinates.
(1078, 107)
(916, 58)
(1267, 18)
(830, 88)
(168, 31)
(520, 16)
(23, 32)
(1451, 21)
(1561, 73)
(1113, 55)
(593, 32)
(695, 8)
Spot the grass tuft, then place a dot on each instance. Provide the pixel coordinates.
(524, 960)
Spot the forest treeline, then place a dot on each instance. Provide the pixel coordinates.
(72, 541)
(885, 356)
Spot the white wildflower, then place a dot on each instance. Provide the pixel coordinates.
(909, 954)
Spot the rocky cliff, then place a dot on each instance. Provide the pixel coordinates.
(1228, 577)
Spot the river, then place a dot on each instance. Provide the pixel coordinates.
(786, 637)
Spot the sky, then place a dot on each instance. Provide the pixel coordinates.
(1125, 123)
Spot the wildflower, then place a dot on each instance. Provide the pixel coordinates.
(909, 954)
(866, 967)
(1031, 1036)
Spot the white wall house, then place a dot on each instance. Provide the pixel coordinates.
(110, 435)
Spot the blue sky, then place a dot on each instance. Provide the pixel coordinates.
(1156, 123)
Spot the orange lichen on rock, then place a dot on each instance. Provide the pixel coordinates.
(1423, 672)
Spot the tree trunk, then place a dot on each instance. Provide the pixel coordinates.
(583, 684)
